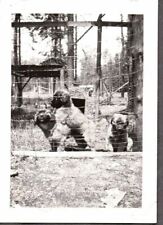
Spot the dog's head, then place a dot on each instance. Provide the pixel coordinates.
(119, 122)
(61, 98)
(45, 119)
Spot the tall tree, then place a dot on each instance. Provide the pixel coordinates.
(56, 34)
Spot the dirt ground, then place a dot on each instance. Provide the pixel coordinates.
(76, 181)
(73, 181)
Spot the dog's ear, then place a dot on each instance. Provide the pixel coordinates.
(112, 121)
(127, 123)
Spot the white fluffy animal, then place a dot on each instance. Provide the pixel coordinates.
(70, 121)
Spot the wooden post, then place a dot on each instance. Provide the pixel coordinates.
(99, 38)
(17, 60)
(135, 95)
(57, 83)
(98, 72)
(70, 60)
(130, 69)
(122, 58)
(55, 42)
(98, 66)
(62, 79)
(110, 84)
(54, 84)
(75, 50)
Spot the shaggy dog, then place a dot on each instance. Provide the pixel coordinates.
(70, 121)
(45, 119)
(117, 139)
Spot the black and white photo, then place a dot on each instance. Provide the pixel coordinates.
(82, 104)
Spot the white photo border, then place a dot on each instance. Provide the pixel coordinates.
(146, 214)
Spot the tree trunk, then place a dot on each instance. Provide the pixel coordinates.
(70, 61)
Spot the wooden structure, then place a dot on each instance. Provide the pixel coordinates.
(135, 52)
(24, 73)
(71, 24)
(30, 71)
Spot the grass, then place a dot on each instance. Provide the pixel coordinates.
(76, 182)
(32, 138)
(26, 136)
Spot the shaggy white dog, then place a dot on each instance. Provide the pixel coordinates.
(70, 121)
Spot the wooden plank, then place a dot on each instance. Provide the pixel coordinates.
(99, 42)
(79, 154)
(41, 74)
(18, 80)
(70, 59)
(35, 67)
(98, 69)
(16, 74)
(62, 79)
(26, 83)
(36, 70)
(121, 87)
(71, 24)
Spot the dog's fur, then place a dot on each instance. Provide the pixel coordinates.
(70, 121)
(45, 119)
(117, 139)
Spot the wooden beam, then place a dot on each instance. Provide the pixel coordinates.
(36, 67)
(109, 94)
(26, 83)
(16, 74)
(121, 87)
(62, 81)
(99, 41)
(40, 74)
(76, 41)
(35, 71)
(70, 59)
(98, 67)
(71, 24)
(17, 61)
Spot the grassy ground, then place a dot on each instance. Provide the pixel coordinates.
(72, 182)
(76, 182)
(32, 138)
(26, 136)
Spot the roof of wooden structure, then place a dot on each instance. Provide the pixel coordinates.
(36, 70)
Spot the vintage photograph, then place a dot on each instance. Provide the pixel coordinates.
(76, 110)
